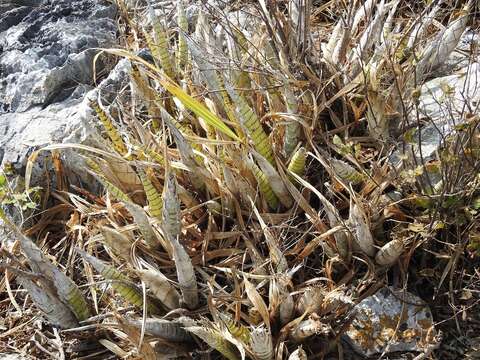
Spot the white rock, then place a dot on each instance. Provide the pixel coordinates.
(390, 321)
(444, 101)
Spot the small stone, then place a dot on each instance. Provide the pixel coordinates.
(390, 321)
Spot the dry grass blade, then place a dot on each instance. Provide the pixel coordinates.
(257, 301)
(278, 259)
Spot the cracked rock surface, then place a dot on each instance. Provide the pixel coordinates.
(47, 50)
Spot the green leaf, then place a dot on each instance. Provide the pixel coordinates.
(198, 108)
(476, 203)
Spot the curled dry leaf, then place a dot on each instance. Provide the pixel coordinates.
(310, 327)
(311, 300)
(161, 288)
(390, 252)
(362, 236)
(118, 242)
(278, 259)
(336, 299)
(281, 302)
(257, 301)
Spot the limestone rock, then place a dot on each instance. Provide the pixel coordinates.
(391, 321)
(443, 102)
(46, 69)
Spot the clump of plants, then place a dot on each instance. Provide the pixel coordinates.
(250, 197)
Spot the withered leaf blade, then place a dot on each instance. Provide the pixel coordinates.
(67, 290)
(44, 297)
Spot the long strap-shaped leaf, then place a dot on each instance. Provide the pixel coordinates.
(66, 289)
(213, 80)
(198, 108)
(215, 339)
(168, 330)
(182, 51)
(172, 226)
(263, 184)
(275, 181)
(251, 123)
(147, 94)
(297, 163)
(120, 283)
(188, 101)
(160, 46)
(44, 297)
(153, 196)
(142, 221)
(112, 131)
(153, 155)
(293, 128)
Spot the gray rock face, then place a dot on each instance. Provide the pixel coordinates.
(70, 121)
(443, 103)
(46, 68)
(47, 50)
(12, 357)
